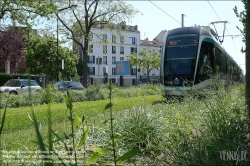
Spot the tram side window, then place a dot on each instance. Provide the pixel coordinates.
(220, 61)
(205, 63)
(230, 67)
(224, 63)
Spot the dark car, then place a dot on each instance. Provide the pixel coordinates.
(67, 85)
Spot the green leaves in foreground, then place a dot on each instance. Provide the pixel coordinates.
(109, 105)
(3, 118)
(101, 151)
(97, 153)
(84, 137)
(68, 101)
(128, 155)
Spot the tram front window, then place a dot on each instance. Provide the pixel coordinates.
(181, 54)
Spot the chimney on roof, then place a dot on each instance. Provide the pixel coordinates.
(155, 41)
(136, 27)
(147, 39)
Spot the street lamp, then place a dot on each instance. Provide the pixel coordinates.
(136, 59)
(107, 73)
(57, 50)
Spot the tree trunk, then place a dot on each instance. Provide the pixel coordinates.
(247, 76)
(148, 71)
(7, 67)
(85, 63)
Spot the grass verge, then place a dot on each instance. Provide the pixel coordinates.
(18, 131)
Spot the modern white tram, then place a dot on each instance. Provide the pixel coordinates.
(190, 57)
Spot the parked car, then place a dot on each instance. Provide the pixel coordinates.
(142, 83)
(16, 86)
(67, 85)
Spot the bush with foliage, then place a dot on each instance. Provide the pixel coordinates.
(91, 93)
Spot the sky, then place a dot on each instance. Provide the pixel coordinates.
(166, 15)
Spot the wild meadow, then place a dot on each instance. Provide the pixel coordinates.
(124, 126)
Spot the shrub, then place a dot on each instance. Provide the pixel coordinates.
(141, 127)
(221, 126)
(93, 92)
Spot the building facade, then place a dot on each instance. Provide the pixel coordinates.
(111, 46)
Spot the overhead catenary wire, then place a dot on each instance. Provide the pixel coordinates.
(226, 30)
(213, 10)
(164, 12)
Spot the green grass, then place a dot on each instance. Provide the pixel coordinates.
(19, 129)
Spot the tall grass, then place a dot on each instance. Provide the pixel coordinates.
(217, 124)
(193, 131)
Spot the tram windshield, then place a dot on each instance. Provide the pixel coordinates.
(180, 57)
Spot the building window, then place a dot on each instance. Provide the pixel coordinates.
(105, 49)
(121, 50)
(133, 49)
(113, 60)
(103, 26)
(91, 59)
(91, 48)
(91, 70)
(113, 49)
(113, 80)
(132, 28)
(134, 40)
(121, 58)
(98, 60)
(105, 69)
(113, 39)
(122, 39)
(133, 71)
(104, 59)
(113, 70)
(105, 37)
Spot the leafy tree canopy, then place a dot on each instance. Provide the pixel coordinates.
(24, 12)
(41, 57)
(11, 46)
(242, 18)
(146, 60)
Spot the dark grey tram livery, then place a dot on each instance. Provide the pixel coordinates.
(190, 56)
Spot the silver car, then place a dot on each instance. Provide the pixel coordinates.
(16, 86)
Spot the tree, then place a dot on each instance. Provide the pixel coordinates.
(91, 13)
(244, 17)
(11, 42)
(41, 57)
(146, 60)
(24, 12)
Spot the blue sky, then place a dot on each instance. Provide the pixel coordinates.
(166, 15)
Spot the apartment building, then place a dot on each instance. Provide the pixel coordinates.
(110, 47)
